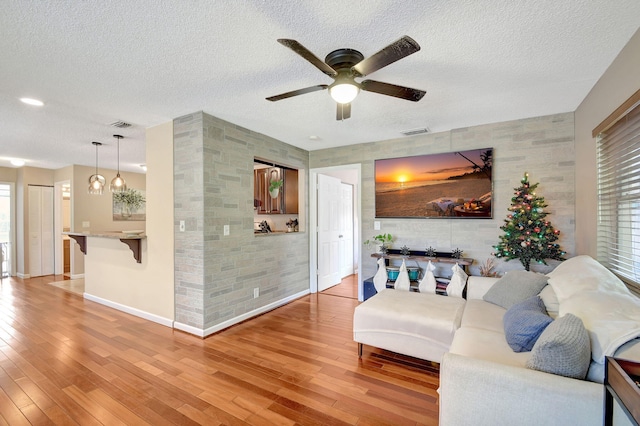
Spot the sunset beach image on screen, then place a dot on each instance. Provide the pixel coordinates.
(449, 185)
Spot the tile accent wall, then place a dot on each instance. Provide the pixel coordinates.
(215, 275)
(542, 146)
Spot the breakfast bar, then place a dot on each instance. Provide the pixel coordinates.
(131, 238)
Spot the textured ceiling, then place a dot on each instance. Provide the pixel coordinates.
(147, 62)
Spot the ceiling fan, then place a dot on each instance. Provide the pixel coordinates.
(345, 65)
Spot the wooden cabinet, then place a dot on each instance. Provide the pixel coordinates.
(290, 200)
(287, 200)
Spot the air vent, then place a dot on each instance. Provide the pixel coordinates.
(415, 131)
(120, 124)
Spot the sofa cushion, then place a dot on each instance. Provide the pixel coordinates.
(563, 348)
(410, 313)
(524, 322)
(515, 287)
(583, 273)
(483, 315)
(486, 345)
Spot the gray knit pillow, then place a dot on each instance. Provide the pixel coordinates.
(515, 287)
(563, 348)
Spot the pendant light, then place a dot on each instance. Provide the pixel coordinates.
(117, 183)
(96, 181)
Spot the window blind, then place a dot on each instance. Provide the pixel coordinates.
(618, 159)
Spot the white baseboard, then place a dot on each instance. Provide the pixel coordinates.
(128, 309)
(23, 276)
(76, 276)
(228, 323)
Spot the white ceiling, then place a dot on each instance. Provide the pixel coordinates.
(148, 61)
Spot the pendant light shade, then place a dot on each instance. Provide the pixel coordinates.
(96, 181)
(117, 183)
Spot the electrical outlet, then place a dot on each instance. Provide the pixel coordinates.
(182, 226)
(226, 230)
(256, 293)
(85, 224)
(376, 225)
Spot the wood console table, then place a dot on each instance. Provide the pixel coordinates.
(463, 261)
(620, 383)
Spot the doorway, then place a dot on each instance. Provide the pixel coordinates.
(7, 235)
(345, 254)
(62, 223)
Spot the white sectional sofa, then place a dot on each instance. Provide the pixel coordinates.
(484, 382)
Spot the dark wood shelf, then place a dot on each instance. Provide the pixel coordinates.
(464, 261)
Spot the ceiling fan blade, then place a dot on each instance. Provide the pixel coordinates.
(344, 112)
(397, 50)
(306, 54)
(297, 92)
(392, 90)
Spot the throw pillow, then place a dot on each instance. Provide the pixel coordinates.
(380, 278)
(515, 287)
(550, 300)
(403, 282)
(458, 282)
(563, 348)
(524, 322)
(428, 282)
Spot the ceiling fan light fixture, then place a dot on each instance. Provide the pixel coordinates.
(344, 93)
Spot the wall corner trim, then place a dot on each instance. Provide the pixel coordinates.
(236, 320)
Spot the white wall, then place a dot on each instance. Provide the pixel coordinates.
(111, 273)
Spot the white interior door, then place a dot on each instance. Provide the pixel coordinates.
(35, 231)
(329, 200)
(41, 247)
(346, 232)
(48, 246)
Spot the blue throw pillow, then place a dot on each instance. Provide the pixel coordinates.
(524, 322)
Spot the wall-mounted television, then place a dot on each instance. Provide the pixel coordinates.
(447, 185)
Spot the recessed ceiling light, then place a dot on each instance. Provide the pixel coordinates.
(314, 138)
(17, 162)
(34, 102)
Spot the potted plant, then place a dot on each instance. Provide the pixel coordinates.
(274, 187)
(384, 240)
(130, 201)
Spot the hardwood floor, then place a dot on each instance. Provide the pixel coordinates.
(65, 360)
(348, 287)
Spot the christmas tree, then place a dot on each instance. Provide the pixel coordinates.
(527, 235)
